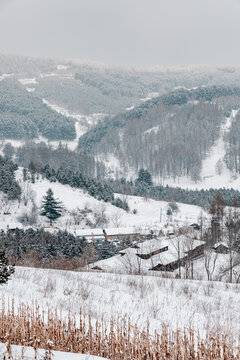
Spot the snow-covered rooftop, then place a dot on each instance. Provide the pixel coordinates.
(130, 261)
(109, 232)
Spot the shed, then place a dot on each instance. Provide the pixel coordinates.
(221, 248)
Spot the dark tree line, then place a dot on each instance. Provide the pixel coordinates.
(8, 183)
(193, 197)
(19, 244)
(143, 187)
(67, 167)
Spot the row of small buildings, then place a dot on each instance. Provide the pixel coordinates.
(158, 254)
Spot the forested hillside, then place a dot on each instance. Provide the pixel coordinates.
(88, 88)
(65, 166)
(165, 120)
(232, 140)
(17, 64)
(96, 88)
(41, 155)
(23, 115)
(169, 135)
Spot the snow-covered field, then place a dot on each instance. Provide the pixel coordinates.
(180, 303)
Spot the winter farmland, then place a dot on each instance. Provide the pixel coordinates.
(146, 302)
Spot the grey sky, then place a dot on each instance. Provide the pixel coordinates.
(126, 32)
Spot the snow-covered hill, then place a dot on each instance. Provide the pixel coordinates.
(144, 213)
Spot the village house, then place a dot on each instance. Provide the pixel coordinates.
(157, 254)
(221, 248)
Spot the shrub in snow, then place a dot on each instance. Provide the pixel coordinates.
(173, 206)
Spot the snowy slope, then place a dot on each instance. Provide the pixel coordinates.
(150, 214)
(203, 305)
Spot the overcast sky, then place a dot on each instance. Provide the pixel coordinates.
(124, 32)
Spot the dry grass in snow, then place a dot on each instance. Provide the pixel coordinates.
(29, 326)
(204, 306)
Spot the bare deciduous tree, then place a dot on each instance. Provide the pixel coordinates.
(210, 258)
(116, 218)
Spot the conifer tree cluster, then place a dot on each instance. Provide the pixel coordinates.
(98, 189)
(167, 193)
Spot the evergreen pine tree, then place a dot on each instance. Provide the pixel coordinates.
(51, 208)
(6, 270)
(144, 176)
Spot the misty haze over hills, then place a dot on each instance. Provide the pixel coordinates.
(164, 119)
(136, 32)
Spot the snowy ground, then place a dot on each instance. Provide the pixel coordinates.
(150, 214)
(29, 354)
(199, 304)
